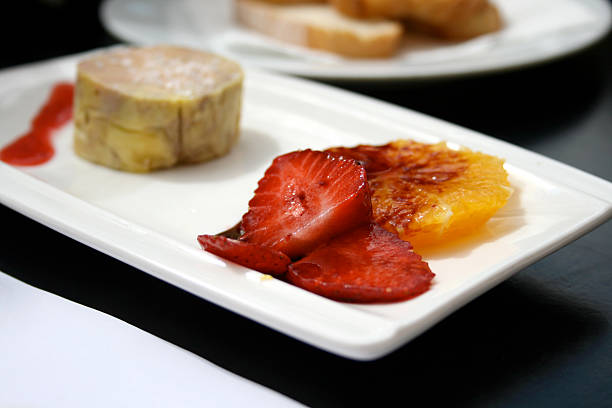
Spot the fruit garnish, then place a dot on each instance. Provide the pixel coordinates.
(429, 194)
(304, 199)
(257, 257)
(367, 264)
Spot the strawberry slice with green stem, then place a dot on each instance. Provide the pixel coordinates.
(304, 199)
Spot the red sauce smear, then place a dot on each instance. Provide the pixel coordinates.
(35, 146)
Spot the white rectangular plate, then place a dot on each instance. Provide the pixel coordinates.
(151, 221)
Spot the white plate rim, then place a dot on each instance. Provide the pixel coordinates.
(350, 333)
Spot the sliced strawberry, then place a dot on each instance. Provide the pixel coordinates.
(304, 199)
(368, 264)
(257, 257)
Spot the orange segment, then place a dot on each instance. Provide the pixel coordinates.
(429, 194)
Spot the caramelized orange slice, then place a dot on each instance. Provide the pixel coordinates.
(429, 194)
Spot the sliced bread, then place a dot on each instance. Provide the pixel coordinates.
(320, 26)
(454, 19)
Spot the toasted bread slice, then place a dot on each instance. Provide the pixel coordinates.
(294, 1)
(454, 19)
(485, 21)
(321, 27)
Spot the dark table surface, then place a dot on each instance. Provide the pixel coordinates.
(542, 338)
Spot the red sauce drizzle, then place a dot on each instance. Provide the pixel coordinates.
(35, 146)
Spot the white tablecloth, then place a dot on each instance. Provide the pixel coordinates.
(57, 353)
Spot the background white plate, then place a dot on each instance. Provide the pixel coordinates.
(535, 31)
(151, 221)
